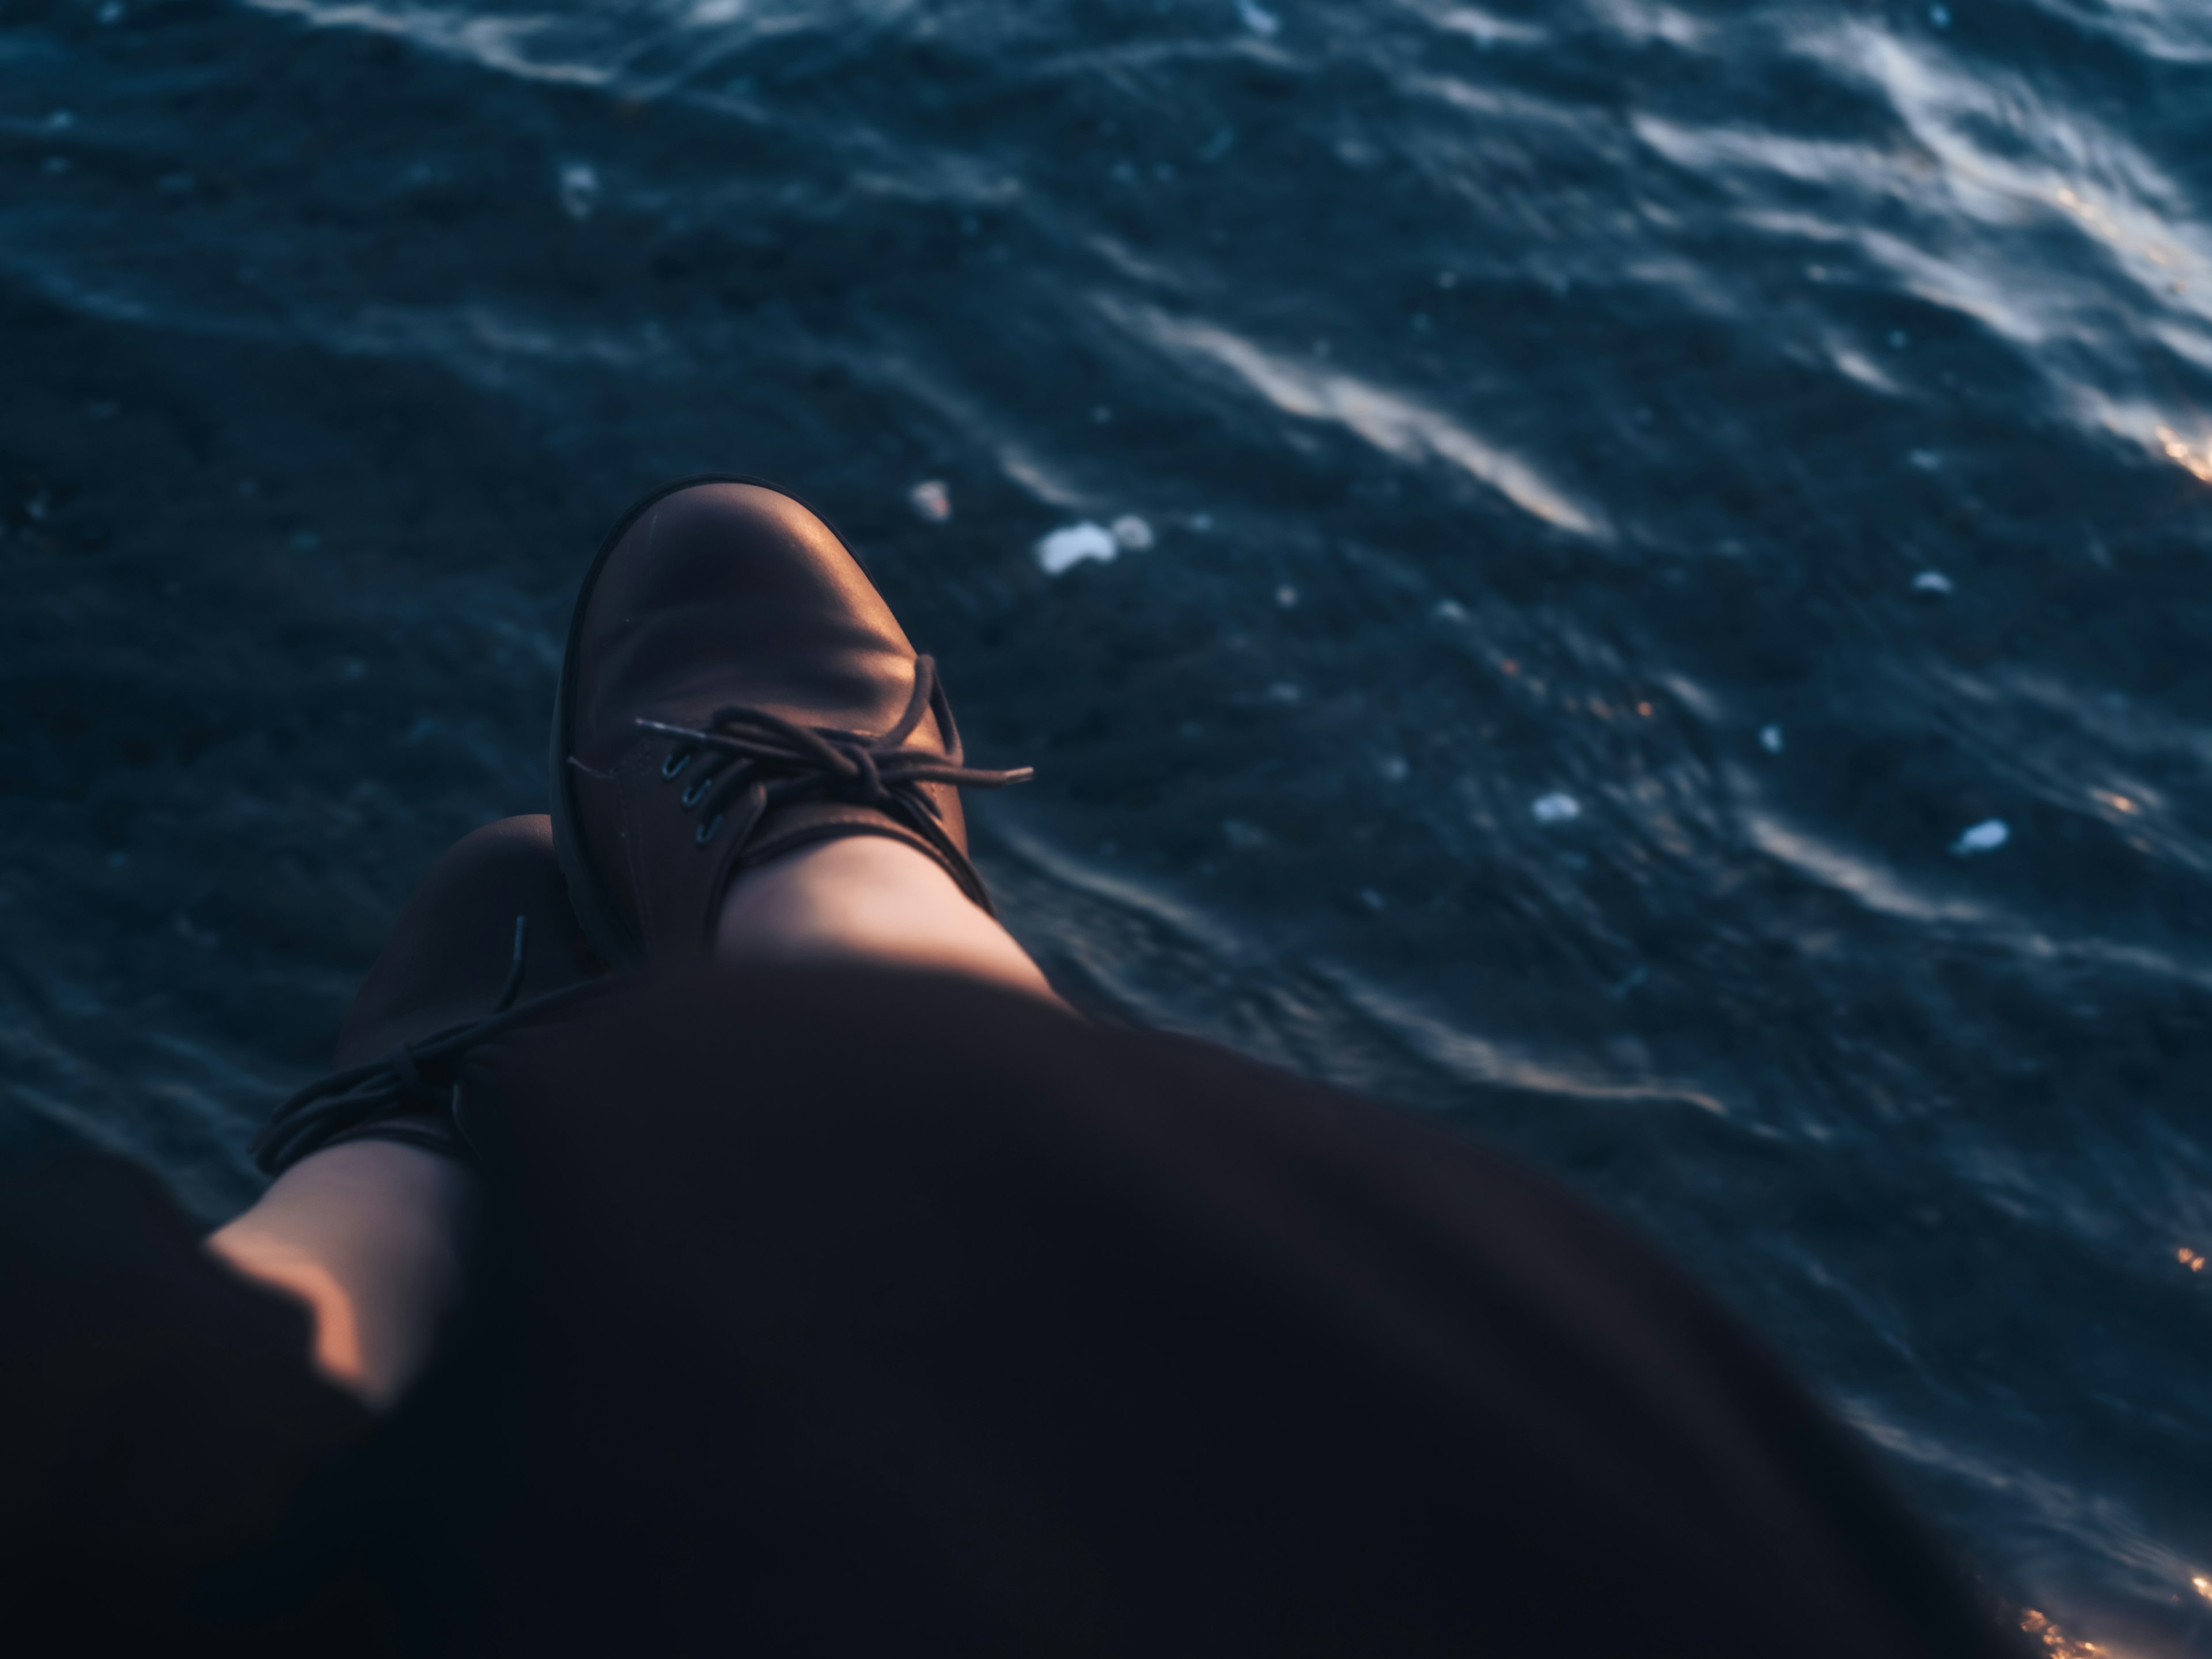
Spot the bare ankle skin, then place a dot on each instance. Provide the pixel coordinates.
(373, 1236)
(867, 899)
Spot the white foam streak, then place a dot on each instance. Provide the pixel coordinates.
(1878, 889)
(1397, 424)
(2104, 1525)
(496, 43)
(1484, 28)
(1470, 1058)
(2051, 158)
(1982, 147)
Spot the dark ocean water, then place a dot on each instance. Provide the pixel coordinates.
(1660, 608)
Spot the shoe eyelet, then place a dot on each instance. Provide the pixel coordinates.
(676, 763)
(697, 791)
(707, 829)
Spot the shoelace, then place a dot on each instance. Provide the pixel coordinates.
(757, 761)
(344, 1100)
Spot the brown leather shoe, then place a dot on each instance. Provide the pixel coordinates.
(735, 688)
(489, 923)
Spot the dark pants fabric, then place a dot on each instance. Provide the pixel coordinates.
(849, 1312)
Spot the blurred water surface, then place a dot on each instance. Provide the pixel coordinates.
(1648, 593)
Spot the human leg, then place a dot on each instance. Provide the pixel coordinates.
(373, 1233)
(373, 1237)
(868, 899)
(735, 695)
(751, 760)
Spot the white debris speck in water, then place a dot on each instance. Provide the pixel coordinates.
(1393, 768)
(580, 191)
(1373, 900)
(111, 14)
(1931, 582)
(711, 13)
(1285, 693)
(1287, 597)
(60, 121)
(1940, 17)
(1201, 522)
(1451, 611)
(1064, 549)
(1770, 740)
(1133, 532)
(1257, 18)
(931, 501)
(1984, 837)
(1557, 807)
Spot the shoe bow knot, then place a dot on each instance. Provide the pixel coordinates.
(751, 762)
